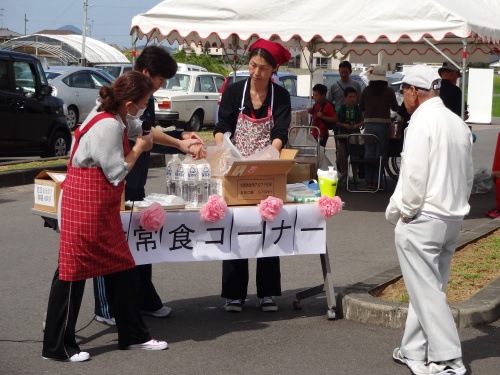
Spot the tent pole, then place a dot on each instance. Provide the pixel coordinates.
(462, 68)
(440, 52)
(462, 83)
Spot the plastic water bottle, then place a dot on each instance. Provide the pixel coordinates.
(190, 182)
(204, 177)
(169, 176)
(178, 176)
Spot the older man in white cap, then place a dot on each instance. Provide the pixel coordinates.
(450, 93)
(428, 206)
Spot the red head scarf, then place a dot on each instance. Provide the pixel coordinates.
(280, 54)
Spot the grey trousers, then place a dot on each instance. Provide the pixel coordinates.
(425, 248)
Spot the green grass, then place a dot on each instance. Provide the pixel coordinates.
(33, 164)
(207, 135)
(495, 112)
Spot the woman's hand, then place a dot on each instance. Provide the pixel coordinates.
(197, 150)
(188, 146)
(144, 143)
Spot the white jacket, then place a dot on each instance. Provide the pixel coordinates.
(436, 166)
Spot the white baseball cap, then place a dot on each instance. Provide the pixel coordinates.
(422, 77)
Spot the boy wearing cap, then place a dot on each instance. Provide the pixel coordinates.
(450, 93)
(428, 206)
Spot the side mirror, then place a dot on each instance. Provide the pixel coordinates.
(46, 90)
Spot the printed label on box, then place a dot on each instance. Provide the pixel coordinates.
(45, 195)
(238, 171)
(255, 189)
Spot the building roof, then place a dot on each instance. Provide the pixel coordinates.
(67, 49)
(4, 32)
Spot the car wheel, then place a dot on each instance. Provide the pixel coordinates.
(72, 117)
(59, 145)
(195, 123)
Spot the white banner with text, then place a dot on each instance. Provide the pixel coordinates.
(241, 234)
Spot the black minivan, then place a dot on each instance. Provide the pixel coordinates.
(32, 122)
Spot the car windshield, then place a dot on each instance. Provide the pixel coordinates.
(52, 75)
(106, 74)
(111, 70)
(179, 82)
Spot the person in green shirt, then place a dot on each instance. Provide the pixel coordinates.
(349, 121)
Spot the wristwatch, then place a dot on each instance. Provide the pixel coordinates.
(406, 219)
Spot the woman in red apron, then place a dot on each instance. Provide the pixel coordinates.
(92, 240)
(257, 112)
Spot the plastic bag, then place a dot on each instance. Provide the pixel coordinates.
(267, 153)
(219, 159)
(482, 181)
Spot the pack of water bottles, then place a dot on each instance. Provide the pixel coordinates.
(189, 179)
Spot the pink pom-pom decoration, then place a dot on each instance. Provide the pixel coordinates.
(214, 210)
(329, 206)
(270, 208)
(153, 217)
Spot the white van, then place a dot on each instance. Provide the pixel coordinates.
(181, 67)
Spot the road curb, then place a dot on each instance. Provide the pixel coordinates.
(358, 303)
(27, 176)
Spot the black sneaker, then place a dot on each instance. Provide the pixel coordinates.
(267, 304)
(234, 305)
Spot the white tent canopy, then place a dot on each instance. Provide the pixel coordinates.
(363, 27)
(359, 26)
(68, 48)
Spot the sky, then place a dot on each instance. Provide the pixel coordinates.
(108, 20)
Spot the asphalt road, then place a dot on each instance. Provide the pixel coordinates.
(203, 338)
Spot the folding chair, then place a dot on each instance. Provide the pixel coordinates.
(356, 155)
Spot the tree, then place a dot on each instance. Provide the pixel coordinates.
(212, 64)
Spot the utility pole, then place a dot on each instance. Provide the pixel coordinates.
(83, 60)
(1, 17)
(25, 22)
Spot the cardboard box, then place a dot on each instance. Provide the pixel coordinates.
(300, 172)
(47, 190)
(250, 181)
(300, 118)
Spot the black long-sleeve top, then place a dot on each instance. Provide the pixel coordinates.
(229, 109)
(451, 96)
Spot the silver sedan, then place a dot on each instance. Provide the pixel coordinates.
(78, 87)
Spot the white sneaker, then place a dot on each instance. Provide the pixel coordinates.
(160, 313)
(103, 320)
(401, 359)
(150, 345)
(267, 304)
(79, 357)
(452, 367)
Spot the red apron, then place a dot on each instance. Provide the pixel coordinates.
(92, 240)
(251, 134)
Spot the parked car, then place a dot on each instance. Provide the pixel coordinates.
(115, 70)
(189, 99)
(32, 121)
(78, 87)
(181, 67)
(286, 80)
